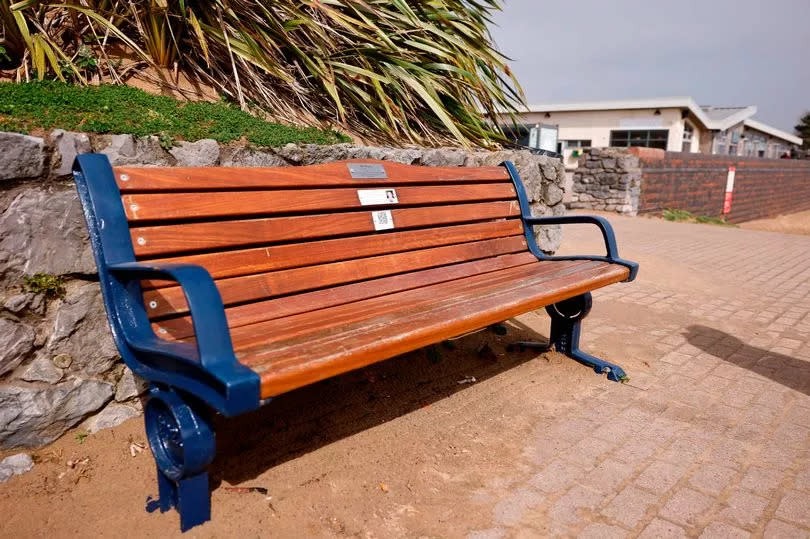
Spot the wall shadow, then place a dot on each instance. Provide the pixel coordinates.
(789, 371)
(308, 418)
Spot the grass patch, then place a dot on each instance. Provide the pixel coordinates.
(684, 216)
(677, 215)
(111, 109)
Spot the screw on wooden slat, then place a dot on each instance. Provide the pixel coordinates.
(141, 241)
(124, 177)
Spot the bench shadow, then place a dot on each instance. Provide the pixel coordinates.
(789, 371)
(311, 417)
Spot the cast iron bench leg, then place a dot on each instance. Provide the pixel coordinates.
(183, 444)
(566, 323)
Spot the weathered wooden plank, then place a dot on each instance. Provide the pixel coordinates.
(251, 313)
(196, 205)
(275, 257)
(185, 179)
(170, 300)
(320, 354)
(162, 240)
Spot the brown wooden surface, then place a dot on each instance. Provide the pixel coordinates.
(260, 311)
(247, 337)
(161, 240)
(275, 257)
(186, 179)
(301, 349)
(182, 206)
(170, 300)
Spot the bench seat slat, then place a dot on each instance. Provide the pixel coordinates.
(185, 206)
(167, 301)
(157, 240)
(295, 326)
(242, 315)
(303, 349)
(187, 179)
(276, 257)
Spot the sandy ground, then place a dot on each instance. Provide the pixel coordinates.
(793, 223)
(403, 448)
(357, 455)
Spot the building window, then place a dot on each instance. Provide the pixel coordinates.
(656, 138)
(720, 143)
(574, 145)
(688, 133)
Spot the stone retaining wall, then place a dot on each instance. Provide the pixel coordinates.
(58, 364)
(607, 179)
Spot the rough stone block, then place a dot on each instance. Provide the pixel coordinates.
(552, 194)
(22, 157)
(78, 328)
(111, 416)
(34, 415)
(44, 231)
(203, 153)
(67, 145)
(42, 369)
(129, 386)
(249, 157)
(128, 150)
(16, 342)
(15, 465)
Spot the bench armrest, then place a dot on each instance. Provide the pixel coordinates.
(205, 305)
(605, 228)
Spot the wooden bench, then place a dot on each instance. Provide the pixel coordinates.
(225, 287)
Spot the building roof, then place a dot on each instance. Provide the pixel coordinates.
(719, 118)
(728, 115)
(774, 132)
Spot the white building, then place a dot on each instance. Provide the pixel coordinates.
(676, 124)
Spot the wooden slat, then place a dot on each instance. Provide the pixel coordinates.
(185, 179)
(242, 315)
(276, 257)
(157, 240)
(323, 353)
(173, 206)
(262, 335)
(169, 301)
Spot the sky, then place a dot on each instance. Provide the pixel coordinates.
(720, 52)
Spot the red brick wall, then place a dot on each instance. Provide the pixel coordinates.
(697, 183)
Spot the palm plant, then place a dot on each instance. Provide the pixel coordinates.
(415, 71)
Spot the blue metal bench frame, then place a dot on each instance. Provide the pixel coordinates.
(188, 379)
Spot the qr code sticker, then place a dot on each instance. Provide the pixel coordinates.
(382, 220)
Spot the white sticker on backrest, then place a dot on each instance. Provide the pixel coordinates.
(376, 197)
(382, 220)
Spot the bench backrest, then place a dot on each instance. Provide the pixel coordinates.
(277, 232)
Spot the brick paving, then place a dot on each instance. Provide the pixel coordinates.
(711, 437)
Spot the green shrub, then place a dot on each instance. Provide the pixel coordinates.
(677, 215)
(51, 286)
(419, 71)
(685, 216)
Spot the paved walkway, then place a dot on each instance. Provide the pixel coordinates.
(711, 437)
